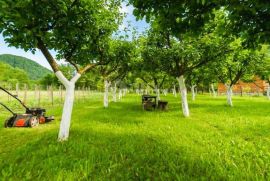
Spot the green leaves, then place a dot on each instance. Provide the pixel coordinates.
(72, 28)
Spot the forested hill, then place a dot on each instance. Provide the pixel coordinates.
(34, 70)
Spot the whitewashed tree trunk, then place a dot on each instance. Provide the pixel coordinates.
(106, 93)
(114, 93)
(268, 92)
(124, 92)
(120, 94)
(68, 105)
(174, 91)
(229, 95)
(193, 92)
(165, 91)
(183, 91)
(213, 90)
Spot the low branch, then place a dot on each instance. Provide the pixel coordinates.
(147, 83)
(74, 65)
(161, 84)
(47, 55)
(86, 68)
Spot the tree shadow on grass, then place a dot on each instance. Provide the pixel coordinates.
(91, 155)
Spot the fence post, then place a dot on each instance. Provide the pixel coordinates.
(60, 93)
(25, 94)
(51, 93)
(39, 95)
(17, 89)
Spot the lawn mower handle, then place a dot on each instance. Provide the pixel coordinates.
(15, 98)
(7, 108)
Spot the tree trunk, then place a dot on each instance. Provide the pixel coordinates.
(165, 92)
(114, 93)
(157, 93)
(213, 90)
(120, 94)
(268, 92)
(193, 92)
(183, 91)
(106, 93)
(229, 95)
(68, 105)
(174, 91)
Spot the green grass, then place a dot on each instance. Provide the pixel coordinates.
(123, 142)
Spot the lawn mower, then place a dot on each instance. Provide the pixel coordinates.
(20, 120)
(30, 113)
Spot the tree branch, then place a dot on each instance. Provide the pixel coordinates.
(147, 83)
(86, 68)
(74, 65)
(161, 83)
(47, 55)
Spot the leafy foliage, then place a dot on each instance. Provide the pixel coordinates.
(74, 29)
(117, 57)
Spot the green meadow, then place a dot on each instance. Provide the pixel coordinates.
(123, 142)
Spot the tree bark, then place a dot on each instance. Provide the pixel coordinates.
(68, 105)
(183, 91)
(229, 95)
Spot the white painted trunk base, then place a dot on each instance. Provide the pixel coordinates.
(213, 90)
(268, 92)
(165, 92)
(174, 91)
(229, 95)
(120, 95)
(114, 93)
(183, 91)
(68, 104)
(106, 94)
(193, 92)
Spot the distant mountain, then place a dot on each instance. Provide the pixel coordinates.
(34, 70)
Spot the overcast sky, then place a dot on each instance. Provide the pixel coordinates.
(39, 58)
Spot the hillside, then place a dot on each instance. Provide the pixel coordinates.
(34, 70)
(12, 75)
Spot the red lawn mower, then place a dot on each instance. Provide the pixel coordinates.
(32, 117)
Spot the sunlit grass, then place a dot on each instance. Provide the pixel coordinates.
(124, 142)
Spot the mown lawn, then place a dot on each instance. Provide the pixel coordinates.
(125, 143)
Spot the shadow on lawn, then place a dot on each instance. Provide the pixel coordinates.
(90, 155)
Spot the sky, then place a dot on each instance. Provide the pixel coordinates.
(38, 56)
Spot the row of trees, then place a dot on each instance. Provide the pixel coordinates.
(189, 42)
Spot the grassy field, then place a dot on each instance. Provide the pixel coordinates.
(124, 142)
